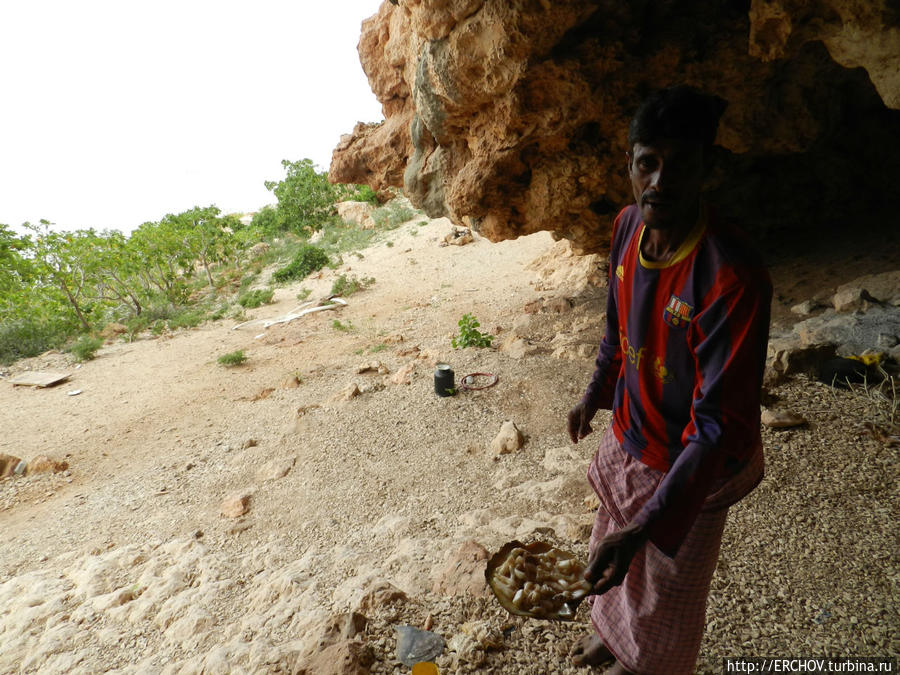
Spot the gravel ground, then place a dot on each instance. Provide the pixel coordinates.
(125, 564)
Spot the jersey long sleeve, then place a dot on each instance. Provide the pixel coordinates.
(689, 338)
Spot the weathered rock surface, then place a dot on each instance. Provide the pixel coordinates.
(359, 213)
(511, 117)
(45, 464)
(463, 572)
(404, 374)
(509, 439)
(861, 321)
(781, 419)
(9, 464)
(347, 657)
(236, 505)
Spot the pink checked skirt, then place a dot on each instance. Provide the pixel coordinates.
(653, 623)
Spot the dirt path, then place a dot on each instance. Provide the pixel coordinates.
(125, 562)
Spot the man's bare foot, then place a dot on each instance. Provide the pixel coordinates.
(590, 651)
(617, 669)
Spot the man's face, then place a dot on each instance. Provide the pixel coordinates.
(666, 178)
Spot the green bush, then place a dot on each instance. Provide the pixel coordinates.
(24, 337)
(469, 335)
(232, 358)
(309, 259)
(345, 285)
(85, 347)
(247, 280)
(186, 318)
(256, 297)
(392, 215)
(268, 221)
(305, 197)
(366, 194)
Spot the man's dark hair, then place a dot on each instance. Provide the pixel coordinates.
(679, 113)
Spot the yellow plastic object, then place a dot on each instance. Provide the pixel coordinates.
(425, 668)
(868, 359)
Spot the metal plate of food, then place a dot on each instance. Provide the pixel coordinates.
(537, 580)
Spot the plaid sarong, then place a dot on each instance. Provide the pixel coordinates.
(653, 622)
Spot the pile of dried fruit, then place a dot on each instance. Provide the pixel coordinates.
(537, 580)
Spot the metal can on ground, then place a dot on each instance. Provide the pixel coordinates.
(443, 380)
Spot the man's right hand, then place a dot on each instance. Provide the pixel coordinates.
(579, 422)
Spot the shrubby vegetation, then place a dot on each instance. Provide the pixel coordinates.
(256, 298)
(59, 289)
(306, 198)
(392, 215)
(348, 285)
(232, 358)
(310, 258)
(85, 347)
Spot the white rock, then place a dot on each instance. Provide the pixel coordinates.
(849, 298)
(781, 419)
(562, 460)
(577, 352)
(359, 213)
(516, 347)
(404, 374)
(276, 469)
(347, 393)
(508, 440)
(236, 505)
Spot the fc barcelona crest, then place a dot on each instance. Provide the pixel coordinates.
(678, 313)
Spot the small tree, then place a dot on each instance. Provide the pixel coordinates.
(268, 220)
(115, 268)
(305, 197)
(60, 262)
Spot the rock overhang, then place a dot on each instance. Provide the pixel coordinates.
(511, 117)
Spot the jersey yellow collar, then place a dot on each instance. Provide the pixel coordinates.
(683, 251)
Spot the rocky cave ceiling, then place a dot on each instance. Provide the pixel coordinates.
(512, 116)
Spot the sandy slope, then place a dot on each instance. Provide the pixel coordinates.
(125, 561)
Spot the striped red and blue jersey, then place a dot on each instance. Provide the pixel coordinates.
(681, 363)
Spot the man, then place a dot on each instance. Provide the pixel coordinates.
(681, 369)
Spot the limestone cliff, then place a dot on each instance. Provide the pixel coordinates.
(511, 116)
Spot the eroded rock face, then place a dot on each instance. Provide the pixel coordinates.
(511, 117)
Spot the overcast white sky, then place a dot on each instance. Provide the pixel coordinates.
(114, 112)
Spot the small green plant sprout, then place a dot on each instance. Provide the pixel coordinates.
(86, 347)
(380, 347)
(343, 327)
(389, 244)
(232, 358)
(423, 223)
(256, 297)
(304, 293)
(345, 285)
(469, 335)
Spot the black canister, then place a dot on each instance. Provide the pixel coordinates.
(443, 380)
